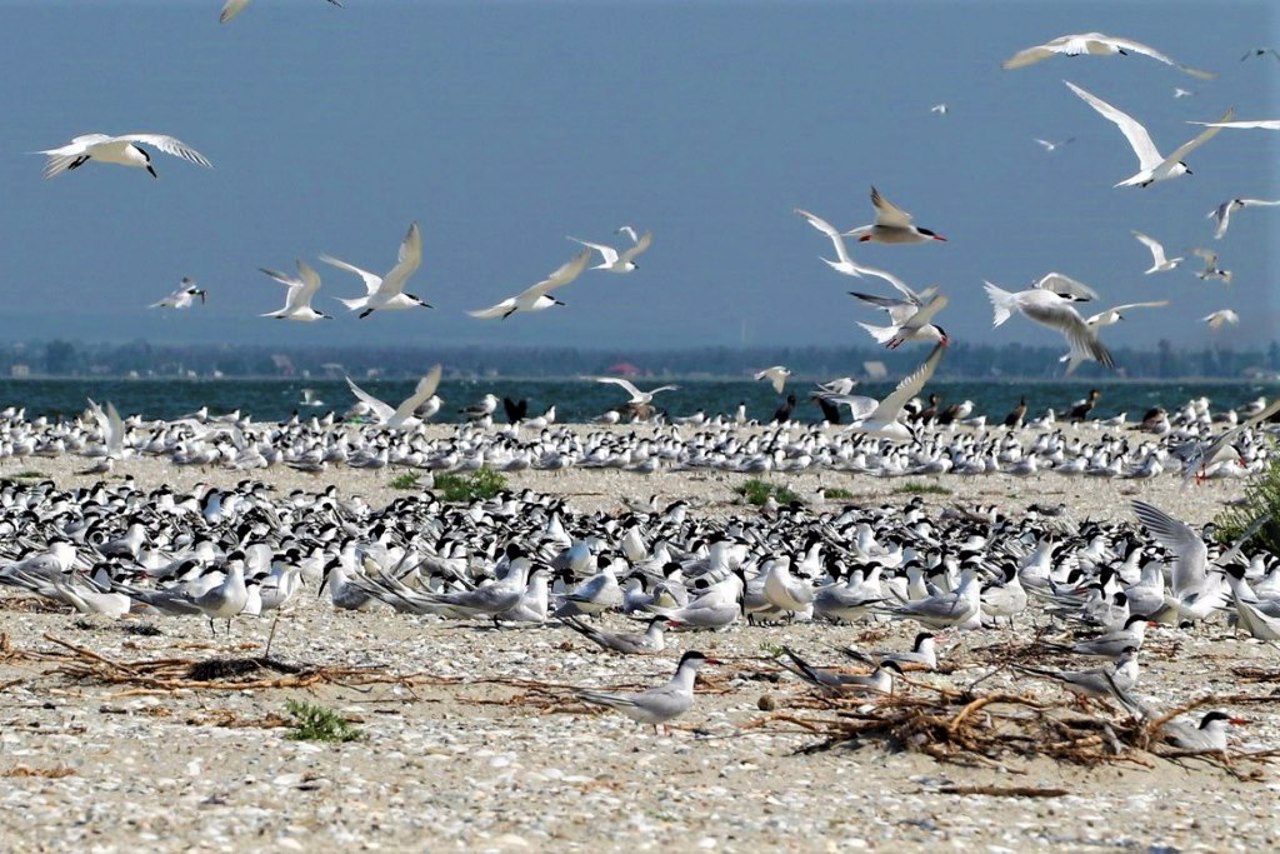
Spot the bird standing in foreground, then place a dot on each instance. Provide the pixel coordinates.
(657, 705)
(121, 150)
(386, 293)
(183, 297)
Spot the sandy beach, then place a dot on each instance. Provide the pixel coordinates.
(473, 740)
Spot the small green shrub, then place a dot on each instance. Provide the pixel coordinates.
(916, 488)
(1261, 498)
(757, 492)
(483, 483)
(407, 480)
(316, 723)
(837, 493)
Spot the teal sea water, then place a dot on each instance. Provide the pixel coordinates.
(580, 400)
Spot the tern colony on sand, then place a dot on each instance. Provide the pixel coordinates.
(183, 297)
(224, 554)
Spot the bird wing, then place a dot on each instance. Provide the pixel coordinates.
(563, 275)
(61, 158)
(1263, 124)
(1032, 55)
(372, 281)
(901, 286)
(1060, 315)
(1222, 213)
(607, 253)
(114, 432)
(1254, 203)
(281, 277)
(169, 145)
(408, 261)
(309, 283)
(619, 381)
(1210, 257)
(645, 241)
(382, 411)
(230, 9)
(494, 310)
(1148, 155)
(889, 304)
(1157, 250)
(1146, 50)
(891, 406)
(1190, 555)
(1191, 145)
(887, 213)
(628, 231)
(426, 387)
(925, 314)
(842, 251)
(1154, 304)
(1065, 286)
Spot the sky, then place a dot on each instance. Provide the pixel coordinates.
(503, 127)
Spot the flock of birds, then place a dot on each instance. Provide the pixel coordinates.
(1051, 302)
(522, 559)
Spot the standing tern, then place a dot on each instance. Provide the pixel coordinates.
(892, 225)
(1094, 44)
(537, 297)
(1114, 681)
(614, 261)
(627, 643)
(1222, 213)
(234, 7)
(297, 301)
(1153, 166)
(879, 681)
(387, 292)
(1050, 309)
(183, 297)
(657, 705)
(1159, 263)
(777, 375)
(121, 150)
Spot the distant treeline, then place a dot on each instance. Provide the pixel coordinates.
(964, 361)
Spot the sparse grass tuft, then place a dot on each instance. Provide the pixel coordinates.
(757, 492)
(29, 473)
(407, 480)
(1261, 498)
(316, 723)
(483, 483)
(917, 488)
(837, 493)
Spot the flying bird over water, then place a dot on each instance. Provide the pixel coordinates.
(297, 301)
(637, 396)
(1153, 166)
(1094, 44)
(1220, 317)
(892, 225)
(1159, 264)
(777, 375)
(401, 417)
(1211, 269)
(537, 297)
(1222, 213)
(124, 150)
(386, 293)
(183, 297)
(234, 7)
(1050, 309)
(614, 261)
(884, 417)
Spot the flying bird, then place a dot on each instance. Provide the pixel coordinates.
(776, 375)
(234, 7)
(1159, 264)
(386, 293)
(401, 417)
(1252, 124)
(884, 417)
(637, 396)
(1065, 286)
(1050, 309)
(1054, 146)
(1179, 92)
(1222, 213)
(1211, 269)
(537, 297)
(183, 297)
(1260, 51)
(905, 324)
(1153, 166)
(892, 225)
(940, 109)
(614, 261)
(1115, 314)
(1094, 44)
(124, 150)
(1220, 317)
(297, 300)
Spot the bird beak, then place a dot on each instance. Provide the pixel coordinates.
(1238, 721)
(152, 171)
(940, 237)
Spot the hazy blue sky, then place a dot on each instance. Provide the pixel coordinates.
(503, 127)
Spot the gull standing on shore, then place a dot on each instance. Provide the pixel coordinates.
(386, 292)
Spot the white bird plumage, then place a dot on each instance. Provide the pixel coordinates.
(297, 300)
(121, 150)
(1159, 263)
(1094, 44)
(386, 292)
(537, 297)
